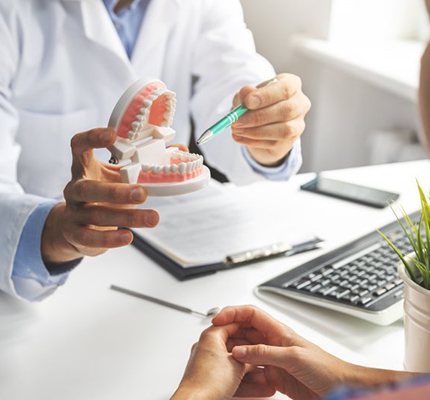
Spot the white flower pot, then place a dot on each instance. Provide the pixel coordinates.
(417, 324)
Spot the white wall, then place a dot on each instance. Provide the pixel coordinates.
(345, 110)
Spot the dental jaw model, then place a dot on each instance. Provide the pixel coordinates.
(142, 119)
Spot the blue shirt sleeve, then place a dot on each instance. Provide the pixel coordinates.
(283, 172)
(30, 276)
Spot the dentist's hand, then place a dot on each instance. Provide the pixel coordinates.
(275, 121)
(97, 205)
(292, 365)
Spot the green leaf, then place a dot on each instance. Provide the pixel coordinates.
(399, 253)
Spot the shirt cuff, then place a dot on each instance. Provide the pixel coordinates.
(283, 172)
(30, 276)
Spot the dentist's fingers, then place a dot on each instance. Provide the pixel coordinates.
(273, 132)
(283, 111)
(107, 216)
(85, 190)
(285, 87)
(82, 145)
(92, 241)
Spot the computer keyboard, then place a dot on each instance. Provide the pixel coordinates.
(359, 278)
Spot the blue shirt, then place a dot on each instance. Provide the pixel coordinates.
(31, 278)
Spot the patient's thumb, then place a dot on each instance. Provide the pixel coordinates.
(260, 354)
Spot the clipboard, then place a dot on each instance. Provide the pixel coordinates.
(231, 261)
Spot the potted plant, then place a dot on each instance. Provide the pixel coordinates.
(414, 269)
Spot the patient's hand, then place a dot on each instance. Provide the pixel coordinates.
(275, 121)
(97, 205)
(213, 374)
(293, 365)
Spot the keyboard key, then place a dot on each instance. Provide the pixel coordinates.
(302, 284)
(325, 282)
(381, 283)
(327, 271)
(343, 272)
(315, 288)
(355, 288)
(326, 291)
(344, 284)
(398, 281)
(371, 288)
(380, 292)
(354, 299)
(365, 300)
(316, 277)
(390, 286)
(337, 280)
(363, 293)
(363, 282)
(343, 294)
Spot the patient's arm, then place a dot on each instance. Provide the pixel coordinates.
(424, 91)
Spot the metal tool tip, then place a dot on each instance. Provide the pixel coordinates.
(205, 137)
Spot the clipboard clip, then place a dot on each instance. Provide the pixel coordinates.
(274, 250)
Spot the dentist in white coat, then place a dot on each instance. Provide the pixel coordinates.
(63, 65)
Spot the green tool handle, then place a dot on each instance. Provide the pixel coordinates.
(228, 120)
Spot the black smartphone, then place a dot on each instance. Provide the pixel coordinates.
(351, 192)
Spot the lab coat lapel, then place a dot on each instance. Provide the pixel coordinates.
(99, 28)
(149, 54)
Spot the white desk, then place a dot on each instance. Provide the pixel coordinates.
(87, 342)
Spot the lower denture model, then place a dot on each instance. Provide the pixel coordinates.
(142, 119)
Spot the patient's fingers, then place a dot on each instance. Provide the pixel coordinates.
(255, 384)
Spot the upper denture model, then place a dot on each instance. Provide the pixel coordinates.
(142, 119)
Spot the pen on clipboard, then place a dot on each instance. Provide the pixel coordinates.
(274, 250)
(229, 119)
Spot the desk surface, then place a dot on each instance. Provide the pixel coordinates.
(88, 342)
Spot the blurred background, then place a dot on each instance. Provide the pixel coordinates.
(359, 61)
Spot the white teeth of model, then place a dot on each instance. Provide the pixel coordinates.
(146, 103)
(189, 167)
(135, 125)
(140, 118)
(200, 161)
(182, 167)
(145, 168)
(195, 164)
(156, 169)
(174, 168)
(166, 169)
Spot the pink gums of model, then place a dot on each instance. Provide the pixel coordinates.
(142, 119)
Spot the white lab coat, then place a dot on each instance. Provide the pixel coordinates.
(62, 68)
